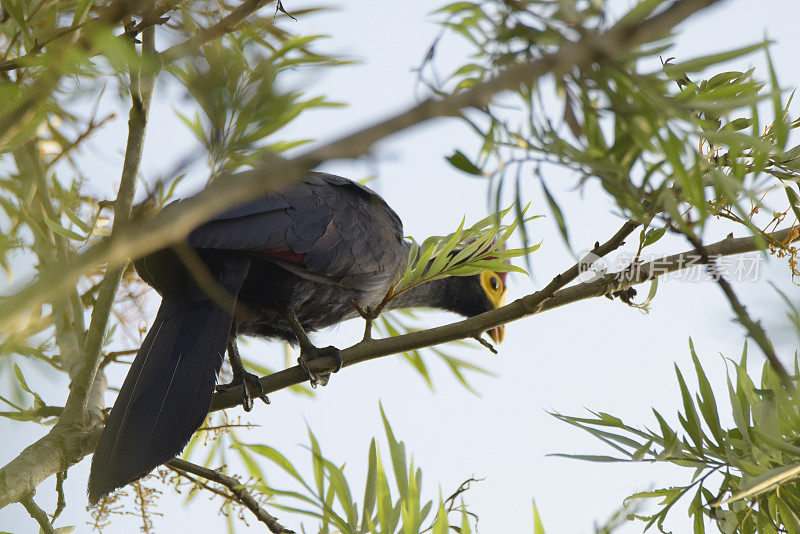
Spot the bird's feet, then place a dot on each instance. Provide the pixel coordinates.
(252, 389)
(320, 376)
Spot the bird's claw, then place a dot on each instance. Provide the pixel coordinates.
(319, 378)
(252, 389)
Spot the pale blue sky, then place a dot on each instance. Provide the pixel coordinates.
(596, 354)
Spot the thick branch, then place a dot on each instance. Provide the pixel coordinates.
(58, 450)
(169, 227)
(524, 307)
(240, 494)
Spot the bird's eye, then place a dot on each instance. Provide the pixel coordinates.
(495, 283)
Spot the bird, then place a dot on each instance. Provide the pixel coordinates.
(276, 267)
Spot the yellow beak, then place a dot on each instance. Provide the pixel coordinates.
(497, 333)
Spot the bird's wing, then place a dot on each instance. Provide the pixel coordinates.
(324, 227)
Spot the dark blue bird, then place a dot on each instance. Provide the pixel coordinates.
(276, 267)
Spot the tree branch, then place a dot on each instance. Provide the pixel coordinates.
(38, 514)
(238, 491)
(55, 452)
(173, 225)
(533, 304)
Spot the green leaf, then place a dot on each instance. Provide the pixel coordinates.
(440, 525)
(398, 455)
(442, 256)
(60, 230)
(766, 482)
(370, 488)
(275, 457)
(738, 124)
(462, 163)
(794, 200)
(691, 423)
(384, 500)
(701, 63)
(318, 464)
(538, 528)
(249, 462)
(707, 402)
(653, 235)
(465, 526)
(342, 490)
(597, 458)
(780, 127)
(21, 379)
(85, 228)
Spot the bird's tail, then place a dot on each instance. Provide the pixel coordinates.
(167, 392)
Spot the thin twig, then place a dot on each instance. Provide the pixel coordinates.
(113, 356)
(753, 328)
(236, 488)
(485, 343)
(61, 502)
(36, 413)
(38, 514)
(202, 485)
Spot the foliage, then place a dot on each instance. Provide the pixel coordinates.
(392, 500)
(678, 145)
(662, 146)
(465, 252)
(233, 83)
(744, 478)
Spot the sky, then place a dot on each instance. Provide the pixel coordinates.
(598, 354)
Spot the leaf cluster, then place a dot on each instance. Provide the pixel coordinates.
(392, 500)
(233, 83)
(465, 252)
(660, 144)
(744, 478)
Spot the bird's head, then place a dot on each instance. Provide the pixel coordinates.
(467, 296)
(494, 287)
